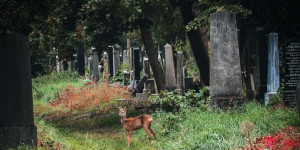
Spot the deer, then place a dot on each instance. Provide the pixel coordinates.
(130, 124)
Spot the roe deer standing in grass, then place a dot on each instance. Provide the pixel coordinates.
(131, 124)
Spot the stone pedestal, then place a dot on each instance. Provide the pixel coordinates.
(16, 106)
(269, 96)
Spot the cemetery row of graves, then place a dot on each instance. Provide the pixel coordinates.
(78, 114)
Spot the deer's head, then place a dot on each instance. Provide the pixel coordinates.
(122, 112)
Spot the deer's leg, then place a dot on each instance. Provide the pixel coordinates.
(148, 134)
(129, 137)
(152, 132)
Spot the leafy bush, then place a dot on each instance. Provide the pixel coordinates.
(173, 101)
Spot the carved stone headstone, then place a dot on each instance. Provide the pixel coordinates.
(170, 79)
(16, 106)
(273, 67)
(180, 71)
(291, 56)
(146, 66)
(225, 70)
(188, 83)
(126, 78)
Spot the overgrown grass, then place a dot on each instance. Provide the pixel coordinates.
(190, 128)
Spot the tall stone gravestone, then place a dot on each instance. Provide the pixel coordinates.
(179, 71)
(292, 70)
(136, 64)
(273, 67)
(225, 70)
(80, 59)
(95, 70)
(116, 60)
(170, 80)
(110, 62)
(16, 106)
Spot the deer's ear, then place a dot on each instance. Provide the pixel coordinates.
(125, 108)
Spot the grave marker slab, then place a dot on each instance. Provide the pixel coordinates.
(273, 67)
(170, 79)
(180, 71)
(291, 56)
(225, 70)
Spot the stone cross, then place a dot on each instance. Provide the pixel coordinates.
(170, 79)
(273, 67)
(225, 70)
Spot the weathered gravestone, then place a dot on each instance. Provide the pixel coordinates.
(292, 70)
(95, 70)
(273, 68)
(180, 71)
(146, 66)
(110, 62)
(170, 80)
(225, 70)
(188, 83)
(16, 106)
(116, 60)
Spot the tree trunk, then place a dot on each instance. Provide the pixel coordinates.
(199, 42)
(153, 59)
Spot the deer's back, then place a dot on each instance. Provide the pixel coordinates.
(137, 122)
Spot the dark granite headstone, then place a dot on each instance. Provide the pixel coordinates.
(139, 85)
(188, 83)
(292, 70)
(298, 98)
(137, 67)
(16, 106)
(80, 59)
(225, 70)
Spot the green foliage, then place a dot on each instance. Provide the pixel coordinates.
(45, 88)
(173, 101)
(207, 7)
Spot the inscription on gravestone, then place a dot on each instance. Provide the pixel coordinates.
(292, 70)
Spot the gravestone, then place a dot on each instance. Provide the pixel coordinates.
(225, 70)
(90, 67)
(273, 67)
(116, 60)
(297, 91)
(57, 64)
(188, 83)
(126, 58)
(146, 67)
(139, 85)
(291, 56)
(110, 62)
(136, 59)
(126, 78)
(180, 71)
(95, 70)
(16, 106)
(80, 59)
(170, 80)
(149, 86)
